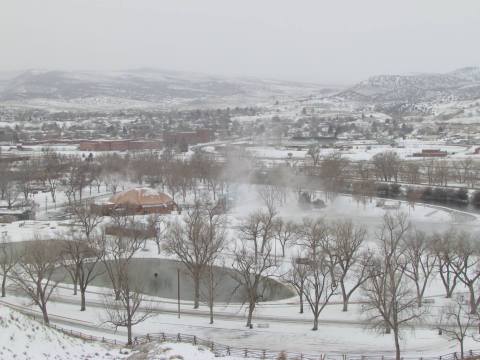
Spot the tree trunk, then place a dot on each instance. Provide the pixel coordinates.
(251, 308)
(397, 345)
(473, 303)
(196, 295)
(211, 312)
(129, 333)
(46, 320)
(82, 304)
(345, 297)
(301, 301)
(315, 323)
(461, 349)
(75, 285)
(4, 282)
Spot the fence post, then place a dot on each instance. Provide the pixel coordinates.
(246, 353)
(212, 346)
(148, 337)
(470, 352)
(455, 355)
(179, 338)
(194, 340)
(163, 336)
(228, 350)
(264, 354)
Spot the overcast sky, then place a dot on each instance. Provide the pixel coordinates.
(326, 41)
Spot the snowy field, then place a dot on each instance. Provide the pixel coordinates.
(276, 323)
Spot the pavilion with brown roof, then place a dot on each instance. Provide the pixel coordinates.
(139, 201)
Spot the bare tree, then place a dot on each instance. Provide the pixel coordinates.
(253, 261)
(196, 241)
(86, 217)
(257, 228)
(211, 279)
(420, 262)
(158, 226)
(456, 323)
(11, 193)
(466, 266)
(285, 232)
(443, 246)
(332, 173)
(27, 173)
(35, 270)
(80, 256)
(124, 310)
(297, 276)
(8, 260)
(343, 248)
(390, 305)
(51, 170)
(387, 165)
(321, 279)
(119, 247)
(270, 196)
(314, 151)
(412, 172)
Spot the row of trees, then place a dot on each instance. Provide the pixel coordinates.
(389, 167)
(84, 253)
(327, 259)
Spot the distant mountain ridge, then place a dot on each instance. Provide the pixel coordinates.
(461, 84)
(149, 86)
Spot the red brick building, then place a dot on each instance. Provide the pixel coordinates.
(431, 153)
(119, 145)
(185, 138)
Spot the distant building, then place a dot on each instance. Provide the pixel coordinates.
(431, 153)
(139, 201)
(183, 139)
(119, 145)
(10, 215)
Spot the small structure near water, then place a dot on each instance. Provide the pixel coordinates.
(138, 201)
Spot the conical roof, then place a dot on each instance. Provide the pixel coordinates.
(141, 197)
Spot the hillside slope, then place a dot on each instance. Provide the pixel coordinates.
(24, 338)
(145, 87)
(461, 84)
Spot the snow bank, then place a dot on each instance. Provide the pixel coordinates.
(24, 338)
(177, 351)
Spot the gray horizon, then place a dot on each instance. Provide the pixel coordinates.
(322, 42)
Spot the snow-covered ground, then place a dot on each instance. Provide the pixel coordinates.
(279, 320)
(24, 338)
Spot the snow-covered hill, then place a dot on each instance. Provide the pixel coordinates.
(461, 84)
(24, 338)
(147, 87)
